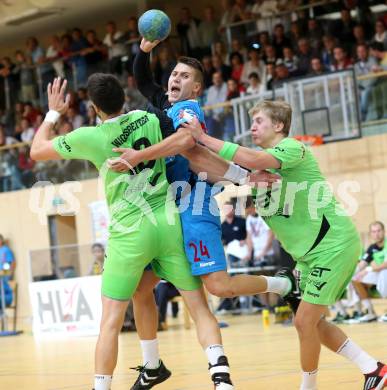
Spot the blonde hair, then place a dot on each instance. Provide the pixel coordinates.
(277, 110)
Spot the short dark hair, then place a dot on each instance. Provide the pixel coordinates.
(254, 75)
(106, 93)
(378, 46)
(97, 245)
(195, 64)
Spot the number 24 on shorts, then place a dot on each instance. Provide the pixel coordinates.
(203, 251)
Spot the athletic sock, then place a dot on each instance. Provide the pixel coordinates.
(278, 285)
(102, 382)
(150, 353)
(367, 304)
(355, 354)
(213, 353)
(309, 380)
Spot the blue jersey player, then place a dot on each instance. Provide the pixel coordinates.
(198, 210)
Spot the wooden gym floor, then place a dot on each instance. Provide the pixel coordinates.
(261, 359)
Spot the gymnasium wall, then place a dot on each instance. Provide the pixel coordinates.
(363, 161)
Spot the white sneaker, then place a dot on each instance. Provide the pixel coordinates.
(369, 317)
(383, 318)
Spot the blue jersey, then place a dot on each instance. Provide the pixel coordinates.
(178, 166)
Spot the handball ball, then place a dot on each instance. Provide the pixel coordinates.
(154, 25)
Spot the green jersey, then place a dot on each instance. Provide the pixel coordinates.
(137, 192)
(302, 210)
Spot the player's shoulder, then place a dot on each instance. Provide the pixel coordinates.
(289, 142)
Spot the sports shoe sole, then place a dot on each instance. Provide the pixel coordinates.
(382, 383)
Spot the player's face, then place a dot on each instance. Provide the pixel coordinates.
(262, 129)
(377, 233)
(182, 84)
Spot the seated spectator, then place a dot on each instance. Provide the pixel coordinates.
(220, 66)
(295, 34)
(234, 228)
(237, 47)
(317, 67)
(279, 40)
(270, 56)
(64, 128)
(164, 292)
(380, 33)
(360, 38)
(380, 54)
(281, 75)
(341, 60)
(372, 271)
(270, 76)
(92, 119)
(290, 60)
(26, 166)
(96, 266)
(233, 92)
(7, 259)
(255, 64)
(220, 50)
(255, 85)
(315, 34)
(329, 43)
(344, 29)
(208, 71)
(217, 93)
(83, 102)
(27, 131)
(305, 54)
(363, 66)
(236, 61)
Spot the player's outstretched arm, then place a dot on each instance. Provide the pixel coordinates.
(248, 158)
(170, 146)
(42, 147)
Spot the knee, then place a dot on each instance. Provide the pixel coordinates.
(219, 289)
(304, 325)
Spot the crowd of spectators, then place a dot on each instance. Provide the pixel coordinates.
(284, 43)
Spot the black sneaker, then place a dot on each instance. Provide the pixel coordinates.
(220, 374)
(376, 380)
(340, 319)
(150, 377)
(292, 298)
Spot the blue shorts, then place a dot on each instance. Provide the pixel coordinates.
(203, 242)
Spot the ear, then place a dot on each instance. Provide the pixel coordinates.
(278, 126)
(197, 88)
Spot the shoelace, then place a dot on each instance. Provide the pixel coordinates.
(139, 368)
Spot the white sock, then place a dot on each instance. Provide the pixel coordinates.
(102, 382)
(150, 353)
(355, 354)
(367, 304)
(340, 308)
(309, 380)
(213, 352)
(278, 285)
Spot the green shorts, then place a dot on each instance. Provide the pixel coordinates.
(324, 276)
(160, 244)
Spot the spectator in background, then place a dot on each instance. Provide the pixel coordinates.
(83, 102)
(96, 266)
(236, 61)
(363, 66)
(217, 93)
(281, 75)
(164, 292)
(317, 67)
(237, 47)
(134, 100)
(219, 66)
(377, 51)
(64, 128)
(270, 56)
(38, 56)
(279, 40)
(221, 51)
(10, 73)
(94, 53)
(360, 38)
(26, 166)
(233, 229)
(380, 33)
(329, 44)
(74, 118)
(78, 46)
(30, 112)
(263, 41)
(255, 85)
(208, 31)
(208, 71)
(341, 60)
(290, 60)
(270, 76)
(91, 116)
(7, 259)
(27, 131)
(131, 40)
(163, 65)
(53, 54)
(315, 34)
(372, 270)
(305, 54)
(228, 15)
(188, 30)
(344, 29)
(255, 64)
(295, 34)
(26, 77)
(116, 49)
